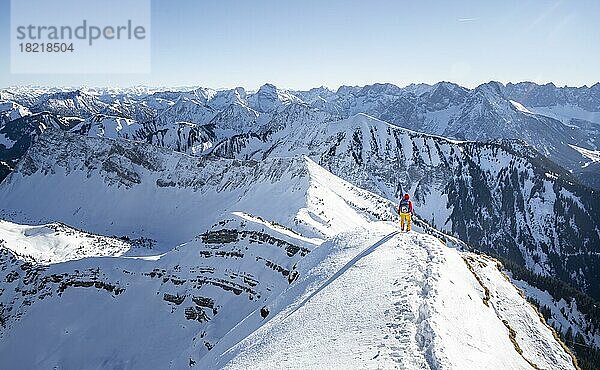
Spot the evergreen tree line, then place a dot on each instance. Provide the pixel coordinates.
(558, 289)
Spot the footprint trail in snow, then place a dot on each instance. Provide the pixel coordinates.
(383, 299)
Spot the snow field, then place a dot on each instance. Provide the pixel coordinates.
(56, 243)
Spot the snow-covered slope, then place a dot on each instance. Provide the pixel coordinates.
(188, 297)
(237, 254)
(134, 189)
(257, 260)
(379, 298)
(549, 118)
(10, 111)
(57, 242)
(502, 196)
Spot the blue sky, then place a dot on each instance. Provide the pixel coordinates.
(303, 44)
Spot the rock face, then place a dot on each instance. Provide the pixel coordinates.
(18, 134)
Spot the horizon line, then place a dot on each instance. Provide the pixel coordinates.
(198, 86)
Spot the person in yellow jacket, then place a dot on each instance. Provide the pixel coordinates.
(405, 210)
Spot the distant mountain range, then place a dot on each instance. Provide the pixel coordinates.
(561, 123)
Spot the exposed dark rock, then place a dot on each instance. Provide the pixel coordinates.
(264, 312)
(196, 313)
(223, 236)
(176, 299)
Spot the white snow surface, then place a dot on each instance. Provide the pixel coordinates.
(6, 142)
(520, 107)
(592, 155)
(10, 111)
(565, 113)
(377, 298)
(55, 243)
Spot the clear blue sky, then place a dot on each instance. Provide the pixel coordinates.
(302, 44)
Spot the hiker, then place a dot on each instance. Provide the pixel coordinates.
(405, 210)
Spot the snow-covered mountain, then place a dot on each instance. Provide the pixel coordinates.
(238, 263)
(501, 197)
(490, 111)
(548, 95)
(239, 124)
(56, 242)
(452, 148)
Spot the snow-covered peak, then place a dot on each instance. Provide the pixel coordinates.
(269, 98)
(417, 89)
(113, 127)
(448, 86)
(298, 116)
(10, 111)
(443, 95)
(74, 103)
(234, 119)
(223, 98)
(348, 90)
(187, 109)
(317, 96)
(489, 89)
(381, 88)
